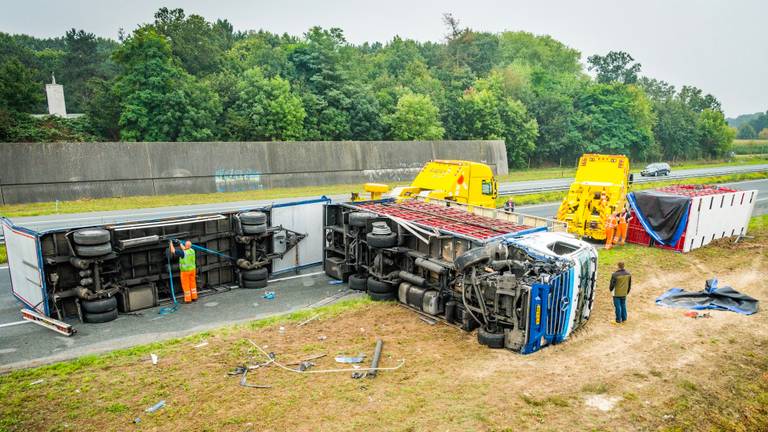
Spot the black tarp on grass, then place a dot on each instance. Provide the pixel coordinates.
(711, 297)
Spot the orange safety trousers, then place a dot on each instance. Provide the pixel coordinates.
(622, 234)
(189, 285)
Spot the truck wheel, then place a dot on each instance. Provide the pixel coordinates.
(471, 257)
(256, 275)
(254, 284)
(379, 287)
(254, 229)
(360, 219)
(93, 251)
(381, 240)
(358, 283)
(99, 305)
(253, 218)
(91, 236)
(491, 340)
(100, 317)
(382, 297)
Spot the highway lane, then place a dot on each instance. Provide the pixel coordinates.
(564, 183)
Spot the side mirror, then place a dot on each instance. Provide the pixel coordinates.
(631, 178)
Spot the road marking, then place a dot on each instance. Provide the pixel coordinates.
(3, 267)
(14, 323)
(297, 276)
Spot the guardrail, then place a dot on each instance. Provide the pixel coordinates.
(637, 180)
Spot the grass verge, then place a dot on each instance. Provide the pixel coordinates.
(3, 254)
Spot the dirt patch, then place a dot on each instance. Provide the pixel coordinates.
(606, 377)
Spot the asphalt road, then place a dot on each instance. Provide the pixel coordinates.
(25, 344)
(564, 183)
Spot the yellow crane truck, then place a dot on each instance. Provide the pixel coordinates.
(466, 182)
(599, 189)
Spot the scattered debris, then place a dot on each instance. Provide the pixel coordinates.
(694, 314)
(269, 295)
(154, 358)
(668, 417)
(374, 362)
(155, 407)
(36, 382)
(137, 420)
(322, 337)
(306, 359)
(711, 297)
(271, 356)
(427, 320)
(281, 330)
(335, 282)
(201, 344)
(244, 382)
(312, 318)
(344, 359)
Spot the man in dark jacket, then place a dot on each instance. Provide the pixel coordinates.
(621, 284)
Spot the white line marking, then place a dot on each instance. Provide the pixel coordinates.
(14, 323)
(297, 276)
(3, 267)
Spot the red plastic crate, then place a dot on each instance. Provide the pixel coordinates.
(637, 235)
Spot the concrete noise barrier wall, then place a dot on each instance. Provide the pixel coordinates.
(37, 172)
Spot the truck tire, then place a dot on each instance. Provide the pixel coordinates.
(93, 251)
(254, 229)
(91, 236)
(378, 287)
(360, 219)
(100, 317)
(471, 257)
(382, 297)
(256, 275)
(489, 339)
(358, 283)
(99, 305)
(253, 218)
(254, 284)
(381, 240)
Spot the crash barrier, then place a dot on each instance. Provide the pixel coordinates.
(707, 213)
(94, 272)
(37, 172)
(523, 285)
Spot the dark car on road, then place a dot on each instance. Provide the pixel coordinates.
(656, 169)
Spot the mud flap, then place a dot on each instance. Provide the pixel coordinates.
(537, 318)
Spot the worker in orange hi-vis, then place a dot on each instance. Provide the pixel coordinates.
(610, 229)
(623, 227)
(187, 269)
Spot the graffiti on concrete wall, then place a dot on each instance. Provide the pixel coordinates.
(235, 180)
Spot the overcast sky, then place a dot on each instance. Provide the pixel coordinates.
(718, 46)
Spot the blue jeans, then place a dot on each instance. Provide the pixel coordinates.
(620, 305)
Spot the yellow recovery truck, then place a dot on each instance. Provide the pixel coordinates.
(465, 182)
(599, 189)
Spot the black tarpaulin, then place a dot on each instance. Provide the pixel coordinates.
(711, 297)
(662, 213)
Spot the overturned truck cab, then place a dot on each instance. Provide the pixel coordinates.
(520, 280)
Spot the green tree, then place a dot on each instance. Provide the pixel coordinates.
(616, 66)
(537, 51)
(696, 100)
(675, 130)
(416, 118)
(763, 135)
(198, 44)
(746, 131)
(715, 136)
(103, 108)
(18, 91)
(265, 110)
(485, 112)
(159, 101)
(617, 119)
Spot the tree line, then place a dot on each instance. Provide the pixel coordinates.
(183, 78)
(751, 126)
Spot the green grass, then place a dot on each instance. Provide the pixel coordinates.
(747, 147)
(3, 254)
